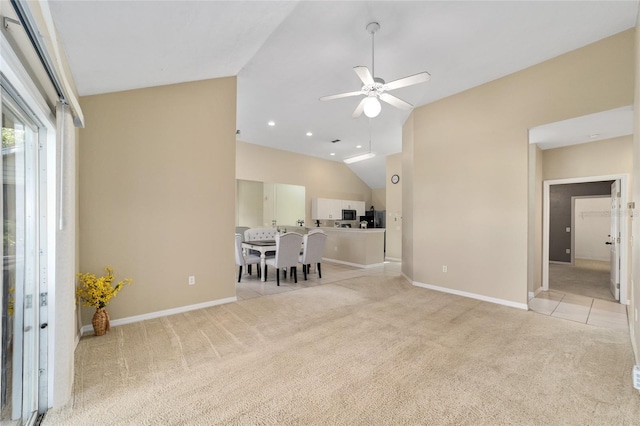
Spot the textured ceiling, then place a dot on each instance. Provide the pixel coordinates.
(288, 54)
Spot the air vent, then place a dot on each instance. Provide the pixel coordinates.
(335, 140)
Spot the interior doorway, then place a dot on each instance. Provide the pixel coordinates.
(583, 268)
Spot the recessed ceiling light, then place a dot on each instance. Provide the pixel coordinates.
(594, 135)
(333, 153)
(309, 134)
(271, 123)
(358, 146)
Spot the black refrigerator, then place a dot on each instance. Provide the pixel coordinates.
(374, 218)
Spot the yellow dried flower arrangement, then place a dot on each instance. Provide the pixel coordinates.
(97, 292)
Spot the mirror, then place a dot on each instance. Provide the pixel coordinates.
(261, 203)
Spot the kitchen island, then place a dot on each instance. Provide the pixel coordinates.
(363, 248)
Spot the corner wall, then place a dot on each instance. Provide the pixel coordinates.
(408, 196)
(471, 189)
(157, 171)
(393, 219)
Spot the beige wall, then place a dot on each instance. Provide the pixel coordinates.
(157, 171)
(378, 199)
(534, 248)
(321, 178)
(606, 157)
(471, 189)
(394, 208)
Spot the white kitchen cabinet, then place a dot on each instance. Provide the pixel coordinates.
(358, 206)
(348, 205)
(326, 209)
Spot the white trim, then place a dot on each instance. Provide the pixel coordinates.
(16, 74)
(357, 265)
(406, 277)
(394, 259)
(624, 231)
(87, 329)
(473, 296)
(558, 262)
(533, 294)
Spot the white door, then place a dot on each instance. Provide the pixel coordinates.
(614, 240)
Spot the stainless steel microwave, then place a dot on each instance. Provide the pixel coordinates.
(349, 215)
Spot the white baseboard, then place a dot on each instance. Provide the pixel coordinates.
(393, 259)
(473, 296)
(534, 293)
(406, 277)
(357, 265)
(88, 329)
(557, 262)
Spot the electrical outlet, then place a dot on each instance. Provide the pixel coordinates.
(444, 268)
(192, 280)
(567, 229)
(568, 251)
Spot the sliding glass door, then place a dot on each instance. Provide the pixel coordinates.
(21, 251)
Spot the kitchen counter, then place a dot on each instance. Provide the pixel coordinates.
(363, 248)
(332, 228)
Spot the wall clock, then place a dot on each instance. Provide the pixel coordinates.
(395, 179)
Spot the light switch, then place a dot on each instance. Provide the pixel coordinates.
(568, 229)
(568, 251)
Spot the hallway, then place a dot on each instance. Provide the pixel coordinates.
(581, 293)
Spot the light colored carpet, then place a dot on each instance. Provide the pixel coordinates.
(585, 278)
(369, 350)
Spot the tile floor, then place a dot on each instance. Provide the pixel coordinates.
(587, 310)
(250, 286)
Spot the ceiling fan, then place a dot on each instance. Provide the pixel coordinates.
(375, 88)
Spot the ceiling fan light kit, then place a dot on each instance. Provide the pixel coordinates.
(372, 107)
(375, 88)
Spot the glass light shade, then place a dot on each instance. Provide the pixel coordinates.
(372, 107)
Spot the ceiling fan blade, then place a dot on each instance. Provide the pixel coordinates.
(395, 101)
(358, 111)
(408, 81)
(364, 74)
(341, 95)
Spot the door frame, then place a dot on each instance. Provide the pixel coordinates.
(624, 227)
(15, 75)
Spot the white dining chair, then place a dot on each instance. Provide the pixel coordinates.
(245, 259)
(259, 234)
(287, 253)
(313, 247)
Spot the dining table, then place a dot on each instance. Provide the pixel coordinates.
(263, 246)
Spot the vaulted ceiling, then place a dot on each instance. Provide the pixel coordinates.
(287, 54)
